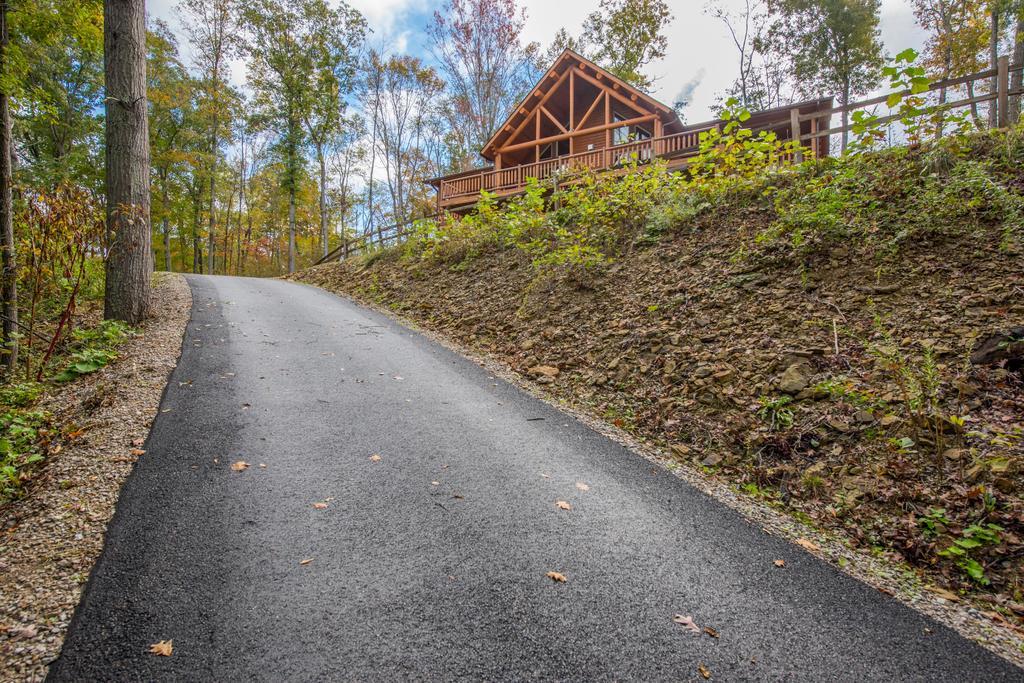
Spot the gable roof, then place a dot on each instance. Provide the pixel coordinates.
(568, 60)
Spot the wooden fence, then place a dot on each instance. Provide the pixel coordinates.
(376, 237)
(1001, 97)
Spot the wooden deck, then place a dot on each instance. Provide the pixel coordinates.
(464, 190)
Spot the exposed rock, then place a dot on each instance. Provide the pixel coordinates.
(543, 371)
(680, 449)
(864, 417)
(795, 378)
(703, 371)
(1004, 346)
(712, 459)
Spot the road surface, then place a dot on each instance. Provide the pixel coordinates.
(430, 562)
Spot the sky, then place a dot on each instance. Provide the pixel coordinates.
(701, 59)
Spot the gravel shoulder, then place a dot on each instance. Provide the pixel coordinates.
(50, 540)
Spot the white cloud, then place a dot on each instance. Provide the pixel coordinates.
(700, 53)
(384, 15)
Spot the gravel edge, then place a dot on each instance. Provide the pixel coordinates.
(50, 540)
(971, 619)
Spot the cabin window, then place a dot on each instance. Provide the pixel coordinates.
(621, 136)
(552, 150)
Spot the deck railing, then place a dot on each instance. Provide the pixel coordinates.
(501, 181)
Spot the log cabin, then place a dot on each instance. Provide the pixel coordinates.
(580, 115)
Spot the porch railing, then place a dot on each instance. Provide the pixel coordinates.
(514, 178)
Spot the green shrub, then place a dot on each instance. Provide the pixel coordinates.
(94, 348)
(21, 447)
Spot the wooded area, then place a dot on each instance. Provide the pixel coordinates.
(331, 136)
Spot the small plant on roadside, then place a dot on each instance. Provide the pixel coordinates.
(22, 447)
(775, 412)
(96, 347)
(971, 543)
(933, 523)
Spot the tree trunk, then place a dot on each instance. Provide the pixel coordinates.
(129, 267)
(166, 224)
(241, 202)
(212, 254)
(846, 114)
(182, 245)
(197, 252)
(1017, 77)
(9, 273)
(323, 199)
(974, 106)
(291, 228)
(993, 49)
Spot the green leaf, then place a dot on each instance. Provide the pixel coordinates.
(908, 55)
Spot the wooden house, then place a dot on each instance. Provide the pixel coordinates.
(580, 115)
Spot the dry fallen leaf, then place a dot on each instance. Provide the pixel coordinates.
(686, 622)
(546, 476)
(164, 648)
(29, 631)
(263, 465)
(375, 457)
(711, 632)
(563, 505)
(779, 563)
(704, 671)
(239, 466)
(320, 506)
(138, 442)
(556, 577)
(306, 561)
(435, 483)
(943, 593)
(581, 486)
(138, 451)
(809, 545)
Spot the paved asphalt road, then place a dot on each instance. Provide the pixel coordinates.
(430, 563)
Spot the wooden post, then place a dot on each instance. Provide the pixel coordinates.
(572, 108)
(1002, 90)
(794, 124)
(607, 120)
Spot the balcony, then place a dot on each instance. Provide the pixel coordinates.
(464, 189)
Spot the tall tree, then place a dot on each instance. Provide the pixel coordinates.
(479, 50)
(834, 46)
(171, 121)
(623, 36)
(957, 37)
(9, 273)
(408, 89)
(335, 39)
(212, 27)
(56, 76)
(1017, 77)
(129, 264)
(283, 72)
(762, 80)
